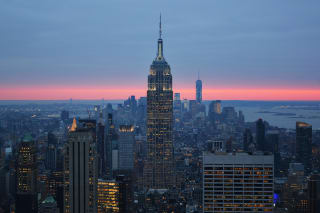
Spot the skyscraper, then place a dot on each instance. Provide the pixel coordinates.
(304, 144)
(26, 171)
(80, 169)
(314, 193)
(199, 90)
(158, 170)
(260, 135)
(126, 142)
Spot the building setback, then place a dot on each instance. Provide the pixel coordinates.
(158, 169)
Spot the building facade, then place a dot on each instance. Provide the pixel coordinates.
(158, 169)
(304, 144)
(237, 182)
(26, 176)
(126, 143)
(108, 196)
(80, 190)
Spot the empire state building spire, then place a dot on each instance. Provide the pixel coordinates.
(160, 44)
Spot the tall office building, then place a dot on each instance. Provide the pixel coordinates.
(80, 191)
(26, 176)
(111, 147)
(237, 182)
(261, 135)
(108, 196)
(199, 90)
(126, 143)
(314, 193)
(304, 144)
(158, 170)
(101, 146)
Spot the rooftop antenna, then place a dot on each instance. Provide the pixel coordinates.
(160, 28)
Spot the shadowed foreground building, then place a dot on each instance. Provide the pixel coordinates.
(158, 169)
(26, 173)
(304, 144)
(237, 182)
(80, 169)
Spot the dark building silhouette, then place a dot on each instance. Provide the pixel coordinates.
(304, 144)
(247, 139)
(199, 91)
(158, 170)
(101, 147)
(80, 191)
(26, 176)
(272, 139)
(314, 193)
(261, 135)
(111, 143)
(125, 192)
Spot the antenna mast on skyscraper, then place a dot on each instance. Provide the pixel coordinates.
(160, 30)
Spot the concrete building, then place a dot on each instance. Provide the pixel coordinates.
(237, 182)
(126, 143)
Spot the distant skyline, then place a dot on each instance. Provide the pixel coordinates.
(244, 50)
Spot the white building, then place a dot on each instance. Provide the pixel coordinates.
(237, 182)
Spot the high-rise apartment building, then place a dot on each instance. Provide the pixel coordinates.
(26, 176)
(304, 144)
(237, 182)
(80, 190)
(158, 169)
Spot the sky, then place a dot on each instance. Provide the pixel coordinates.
(80, 49)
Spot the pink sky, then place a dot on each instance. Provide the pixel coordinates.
(64, 92)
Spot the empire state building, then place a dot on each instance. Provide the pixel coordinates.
(158, 169)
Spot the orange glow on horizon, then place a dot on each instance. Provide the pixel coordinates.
(95, 93)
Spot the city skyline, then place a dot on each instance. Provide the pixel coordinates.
(249, 52)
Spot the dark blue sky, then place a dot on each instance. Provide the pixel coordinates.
(233, 43)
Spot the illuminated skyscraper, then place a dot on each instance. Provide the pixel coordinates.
(80, 191)
(199, 91)
(108, 196)
(26, 171)
(158, 170)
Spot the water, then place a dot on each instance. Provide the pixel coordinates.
(278, 113)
